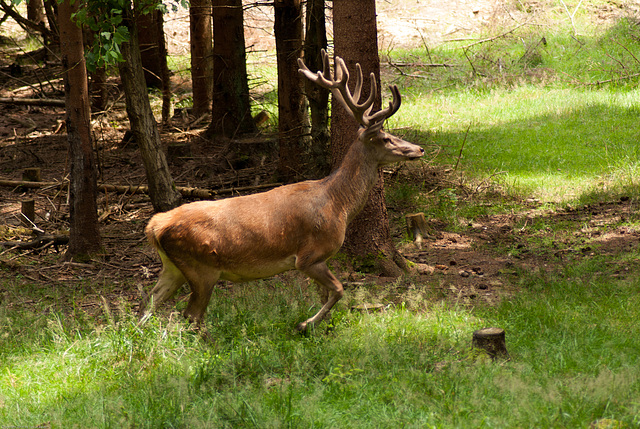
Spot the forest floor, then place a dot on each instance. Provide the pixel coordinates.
(480, 262)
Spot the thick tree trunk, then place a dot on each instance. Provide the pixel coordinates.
(316, 40)
(143, 124)
(291, 103)
(84, 234)
(201, 55)
(368, 238)
(231, 109)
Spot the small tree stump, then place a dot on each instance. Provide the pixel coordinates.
(28, 211)
(492, 341)
(416, 227)
(31, 175)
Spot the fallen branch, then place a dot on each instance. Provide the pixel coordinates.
(397, 64)
(615, 79)
(39, 243)
(490, 39)
(32, 101)
(143, 189)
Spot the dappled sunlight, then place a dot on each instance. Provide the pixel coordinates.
(555, 151)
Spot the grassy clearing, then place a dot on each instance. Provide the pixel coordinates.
(572, 337)
(546, 129)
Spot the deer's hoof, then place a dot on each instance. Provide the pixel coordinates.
(302, 327)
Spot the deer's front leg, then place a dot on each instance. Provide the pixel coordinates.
(320, 273)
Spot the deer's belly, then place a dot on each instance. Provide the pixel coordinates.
(258, 271)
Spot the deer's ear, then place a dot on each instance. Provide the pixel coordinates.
(368, 133)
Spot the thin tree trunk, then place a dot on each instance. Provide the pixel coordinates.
(201, 56)
(368, 237)
(162, 190)
(231, 108)
(148, 38)
(291, 105)
(316, 40)
(153, 51)
(35, 11)
(164, 70)
(84, 234)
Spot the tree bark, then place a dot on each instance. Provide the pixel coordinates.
(153, 51)
(35, 11)
(201, 56)
(368, 238)
(316, 40)
(291, 103)
(143, 124)
(149, 41)
(84, 234)
(231, 108)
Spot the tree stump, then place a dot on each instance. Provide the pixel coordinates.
(176, 151)
(416, 227)
(31, 175)
(28, 211)
(492, 341)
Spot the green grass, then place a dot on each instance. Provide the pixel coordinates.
(572, 336)
(545, 131)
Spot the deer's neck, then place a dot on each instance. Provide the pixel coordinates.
(350, 184)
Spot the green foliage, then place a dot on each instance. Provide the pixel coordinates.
(105, 19)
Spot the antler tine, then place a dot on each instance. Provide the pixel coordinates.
(394, 105)
(360, 111)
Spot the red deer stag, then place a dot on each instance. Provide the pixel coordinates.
(297, 226)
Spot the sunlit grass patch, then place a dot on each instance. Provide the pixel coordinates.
(554, 144)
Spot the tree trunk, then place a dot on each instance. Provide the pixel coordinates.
(143, 124)
(291, 103)
(316, 40)
(149, 39)
(35, 11)
(201, 55)
(231, 109)
(98, 89)
(153, 51)
(84, 234)
(368, 238)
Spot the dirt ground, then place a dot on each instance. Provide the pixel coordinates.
(480, 264)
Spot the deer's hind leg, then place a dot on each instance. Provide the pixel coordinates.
(171, 278)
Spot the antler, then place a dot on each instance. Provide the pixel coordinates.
(338, 87)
